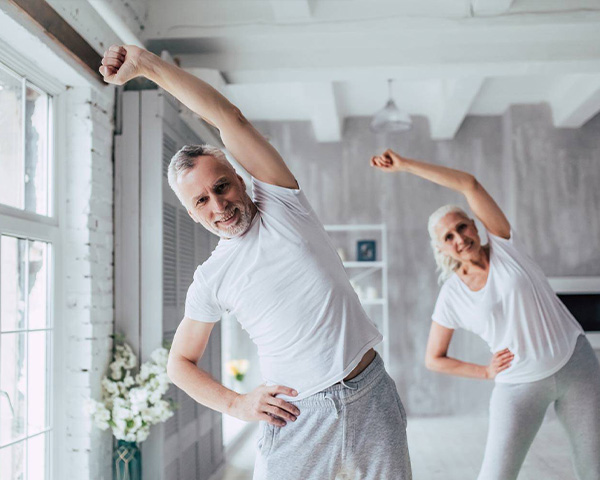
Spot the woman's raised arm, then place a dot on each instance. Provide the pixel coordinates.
(482, 204)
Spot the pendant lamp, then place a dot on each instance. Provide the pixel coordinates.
(390, 118)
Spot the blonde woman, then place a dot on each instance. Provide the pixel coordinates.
(540, 353)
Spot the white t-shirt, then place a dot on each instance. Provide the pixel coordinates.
(286, 285)
(517, 309)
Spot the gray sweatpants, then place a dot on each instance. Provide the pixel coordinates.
(517, 412)
(354, 430)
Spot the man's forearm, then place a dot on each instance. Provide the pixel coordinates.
(199, 385)
(194, 93)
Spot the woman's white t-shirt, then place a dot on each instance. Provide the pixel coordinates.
(516, 309)
(286, 285)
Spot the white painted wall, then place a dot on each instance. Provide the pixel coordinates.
(86, 325)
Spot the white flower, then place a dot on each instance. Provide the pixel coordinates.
(142, 434)
(125, 354)
(109, 387)
(121, 409)
(131, 402)
(128, 381)
(117, 369)
(237, 368)
(138, 398)
(99, 413)
(160, 357)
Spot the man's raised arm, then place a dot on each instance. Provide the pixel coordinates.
(122, 63)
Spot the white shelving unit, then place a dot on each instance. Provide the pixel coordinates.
(360, 270)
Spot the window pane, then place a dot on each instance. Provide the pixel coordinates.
(12, 461)
(36, 148)
(11, 140)
(13, 386)
(37, 394)
(12, 292)
(36, 457)
(38, 285)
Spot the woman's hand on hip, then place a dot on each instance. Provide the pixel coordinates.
(500, 362)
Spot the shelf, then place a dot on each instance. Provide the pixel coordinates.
(371, 273)
(372, 301)
(364, 264)
(354, 228)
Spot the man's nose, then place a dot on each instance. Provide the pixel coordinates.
(220, 203)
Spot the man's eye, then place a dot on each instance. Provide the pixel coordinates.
(448, 238)
(201, 201)
(221, 188)
(462, 226)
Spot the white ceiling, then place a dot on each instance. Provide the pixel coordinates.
(324, 60)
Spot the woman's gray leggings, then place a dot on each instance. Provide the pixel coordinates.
(517, 412)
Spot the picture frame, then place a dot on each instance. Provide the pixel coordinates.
(366, 251)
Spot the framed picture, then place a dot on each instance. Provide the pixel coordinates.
(366, 250)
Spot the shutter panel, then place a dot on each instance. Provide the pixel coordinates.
(169, 245)
(169, 259)
(169, 149)
(186, 259)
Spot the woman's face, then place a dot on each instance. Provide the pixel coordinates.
(457, 237)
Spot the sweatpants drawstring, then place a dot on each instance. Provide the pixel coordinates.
(335, 402)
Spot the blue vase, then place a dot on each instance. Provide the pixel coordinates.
(127, 462)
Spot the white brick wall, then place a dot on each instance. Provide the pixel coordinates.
(87, 323)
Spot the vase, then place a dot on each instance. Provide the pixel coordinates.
(127, 462)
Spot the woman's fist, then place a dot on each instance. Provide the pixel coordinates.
(388, 161)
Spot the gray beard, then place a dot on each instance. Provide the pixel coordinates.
(237, 229)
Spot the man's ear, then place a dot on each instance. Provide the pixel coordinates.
(241, 181)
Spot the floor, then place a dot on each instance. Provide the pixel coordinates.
(449, 448)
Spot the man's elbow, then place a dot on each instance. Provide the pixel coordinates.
(471, 183)
(432, 363)
(230, 116)
(173, 368)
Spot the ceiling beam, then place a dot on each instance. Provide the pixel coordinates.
(455, 100)
(424, 50)
(490, 7)
(363, 71)
(575, 101)
(290, 10)
(324, 113)
(209, 75)
(59, 32)
(120, 20)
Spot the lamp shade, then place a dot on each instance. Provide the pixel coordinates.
(390, 118)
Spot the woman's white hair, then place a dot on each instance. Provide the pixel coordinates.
(446, 265)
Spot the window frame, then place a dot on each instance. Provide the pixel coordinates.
(29, 225)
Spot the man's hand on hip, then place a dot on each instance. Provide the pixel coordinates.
(262, 404)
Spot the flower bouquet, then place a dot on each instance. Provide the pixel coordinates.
(131, 403)
(237, 368)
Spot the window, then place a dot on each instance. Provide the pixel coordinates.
(24, 141)
(28, 239)
(25, 336)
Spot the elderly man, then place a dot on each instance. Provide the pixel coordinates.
(328, 408)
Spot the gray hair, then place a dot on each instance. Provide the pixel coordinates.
(186, 158)
(446, 265)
